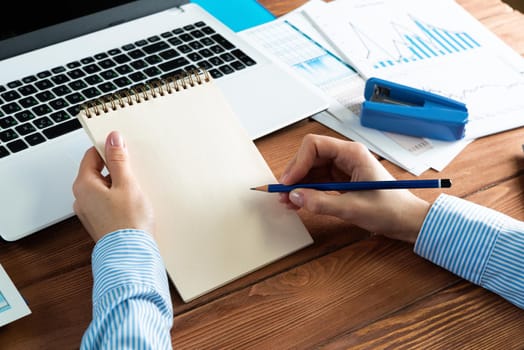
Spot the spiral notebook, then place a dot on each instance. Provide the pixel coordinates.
(196, 163)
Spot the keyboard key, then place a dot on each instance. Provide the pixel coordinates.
(216, 49)
(227, 57)
(158, 46)
(152, 71)
(114, 52)
(237, 65)
(137, 77)
(3, 152)
(45, 96)
(139, 64)
(60, 79)
(34, 139)
(25, 129)
(153, 39)
(197, 34)
(215, 73)
(41, 110)
(196, 45)
(58, 69)
(91, 92)
(137, 53)
(44, 74)
(109, 74)
(77, 85)
(168, 54)
(16, 146)
(59, 103)
(76, 73)
(8, 135)
(87, 60)
(248, 61)
(91, 68)
(28, 102)
(14, 84)
(140, 42)
(11, 108)
(100, 56)
(216, 61)
(7, 122)
(24, 116)
(153, 59)
(107, 63)
(122, 82)
(106, 87)
(93, 79)
(29, 79)
(72, 65)
(43, 122)
(128, 47)
(173, 64)
(59, 116)
(186, 37)
(10, 95)
(62, 128)
(44, 84)
(122, 58)
(124, 69)
(207, 30)
(61, 90)
(75, 98)
(175, 41)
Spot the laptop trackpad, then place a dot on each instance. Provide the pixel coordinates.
(38, 186)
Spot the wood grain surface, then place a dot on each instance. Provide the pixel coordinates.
(349, 290)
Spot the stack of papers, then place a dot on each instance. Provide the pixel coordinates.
(12, 305)
(424, 44)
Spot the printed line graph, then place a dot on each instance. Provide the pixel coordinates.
(423, 41)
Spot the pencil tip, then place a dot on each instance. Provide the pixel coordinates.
(445, 183)
(259, 188)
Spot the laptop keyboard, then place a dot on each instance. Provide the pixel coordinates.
(44, 106)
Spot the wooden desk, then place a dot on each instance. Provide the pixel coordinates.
(348, 290)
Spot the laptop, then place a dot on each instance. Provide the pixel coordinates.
(54, 59)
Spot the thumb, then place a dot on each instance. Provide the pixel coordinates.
(318, 202)
(117, 159)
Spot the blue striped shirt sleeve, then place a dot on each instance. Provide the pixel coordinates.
(476, 243)
(131, 302)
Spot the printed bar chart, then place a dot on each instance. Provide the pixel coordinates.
(429, 43)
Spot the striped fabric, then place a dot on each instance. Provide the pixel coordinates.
(479, 244)
(131, 302)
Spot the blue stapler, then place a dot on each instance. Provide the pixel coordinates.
(402, 109)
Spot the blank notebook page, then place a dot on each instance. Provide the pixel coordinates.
(196, 163)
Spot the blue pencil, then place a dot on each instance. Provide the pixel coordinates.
(358, 185)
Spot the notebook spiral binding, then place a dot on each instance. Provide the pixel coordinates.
(145, 91)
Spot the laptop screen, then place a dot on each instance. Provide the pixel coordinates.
(44, 23)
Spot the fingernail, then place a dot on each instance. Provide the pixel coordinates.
(297, 198)
(283, 178)
(117, 140)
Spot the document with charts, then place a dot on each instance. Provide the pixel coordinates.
(12, 305)
(433, 45)
(292, 40)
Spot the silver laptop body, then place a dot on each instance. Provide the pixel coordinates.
(37, 167)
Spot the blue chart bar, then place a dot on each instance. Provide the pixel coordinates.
(431, 42)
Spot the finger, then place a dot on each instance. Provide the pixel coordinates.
(315, 150)
(319, 202)
(89, 170)
(117, 159)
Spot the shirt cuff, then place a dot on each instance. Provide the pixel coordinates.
(128, 258)
(459, 236)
